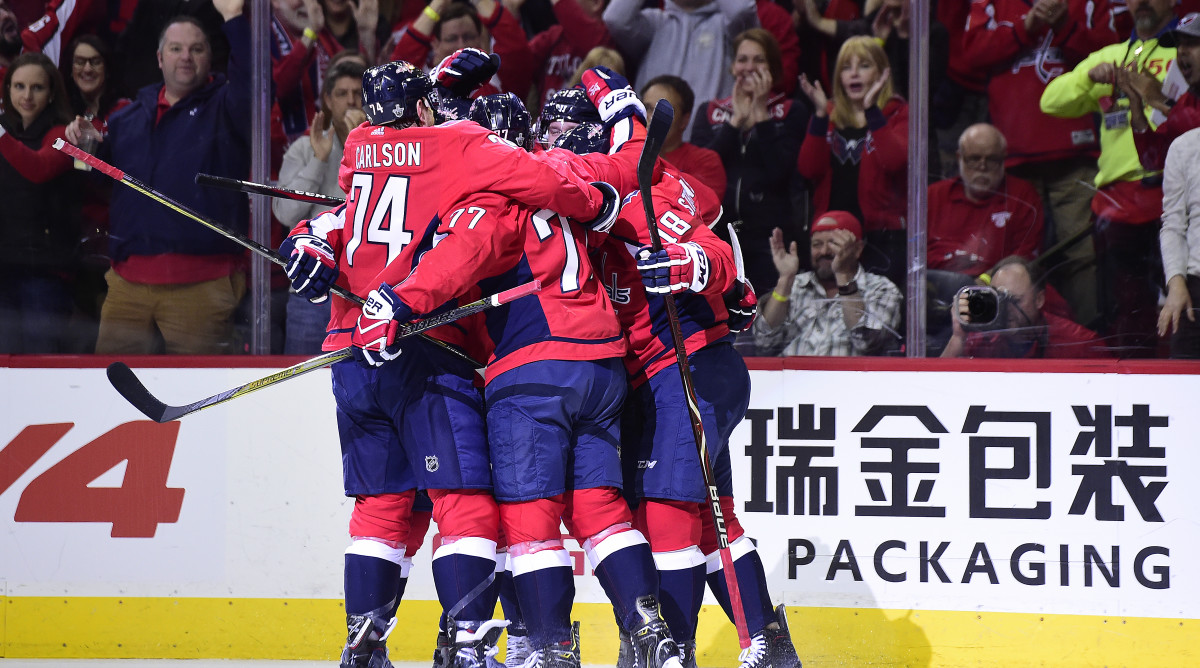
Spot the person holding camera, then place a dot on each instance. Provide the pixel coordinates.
(839, 308)
(1008, 319)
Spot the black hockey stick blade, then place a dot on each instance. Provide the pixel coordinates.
(656, 134)
(268, 190)
(129, 386)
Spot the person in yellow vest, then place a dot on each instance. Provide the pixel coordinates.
(1128, 200)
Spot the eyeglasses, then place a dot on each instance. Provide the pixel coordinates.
(982, 161)
(81, 62)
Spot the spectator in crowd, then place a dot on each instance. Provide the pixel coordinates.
(1128, 201)
(1183, 113)
(1180, 243)
(601, 56)
(1022, 49)
(1023, 326)
(856, 152)
(777, 20)
(39, 217)
(311, 164)
(701, 165)
(10, 37)
(817, 24)
(446, 26)
(355, 25)
(62, 22)
(559, 50)
(838, 308)
(687, 38)
(982, 216)
(138, 44)
(757, 132)
(92, 93)
(171, 276)
(301, 49)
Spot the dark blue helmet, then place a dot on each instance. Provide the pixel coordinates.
(448, 106)
(584, 138)
(391, 91)
(569, 104)
(505, 115)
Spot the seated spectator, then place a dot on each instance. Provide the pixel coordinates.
(311, 164)
(1183, 114)
(686, 38)
(1180, 243)
(171, 277)
(982, 216)
(446, 26)
(1023, 327)
(757, 132)
(39, 218)
(559, 50)
(699, 164)
(856, 152)
(837, 309)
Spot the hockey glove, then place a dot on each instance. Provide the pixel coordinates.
(466, 69)
(674, 269)
(609, 209)
(742, 305)
(311, 266)
(374, 339)
(613, 96)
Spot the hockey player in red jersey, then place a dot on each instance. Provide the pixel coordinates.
(662, 467)
(554, 388)
(419, 420)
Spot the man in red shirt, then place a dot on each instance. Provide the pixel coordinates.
(983, 215)
(1023, 327)
(702, 164)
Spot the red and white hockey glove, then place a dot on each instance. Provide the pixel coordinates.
(612, 95)
(374, 339)
(742, 304)
(674, 269)
(311, 266)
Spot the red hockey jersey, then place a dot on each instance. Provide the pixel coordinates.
(401, 183)
(681, 217)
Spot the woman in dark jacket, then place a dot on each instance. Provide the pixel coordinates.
(39, 220)
(757, 131)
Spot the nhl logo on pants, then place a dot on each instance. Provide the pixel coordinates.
(431, 463)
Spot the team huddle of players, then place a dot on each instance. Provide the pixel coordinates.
(581, 420)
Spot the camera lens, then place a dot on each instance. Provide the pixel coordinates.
(983, 306)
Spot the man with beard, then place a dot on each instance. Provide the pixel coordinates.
(982, 216)
(838, 309)
(10, 37)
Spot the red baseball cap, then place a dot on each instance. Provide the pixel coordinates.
(838, 220)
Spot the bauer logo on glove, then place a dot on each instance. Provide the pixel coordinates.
(674, 269)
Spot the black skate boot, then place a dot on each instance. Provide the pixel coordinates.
(557, 655)
(364, 644)
(474, 645)
(771, 648)
(652, 643)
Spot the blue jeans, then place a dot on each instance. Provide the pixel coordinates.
(306, 325)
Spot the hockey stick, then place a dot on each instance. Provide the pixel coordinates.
(127, 384)
(268, 190)
(660, 123)
(240, 239)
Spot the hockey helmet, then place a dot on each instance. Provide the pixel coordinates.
(391, 91)
(505, 115)
(584, 138)
(569, 105)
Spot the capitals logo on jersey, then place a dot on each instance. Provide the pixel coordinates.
(616, 294)
(1000, 218)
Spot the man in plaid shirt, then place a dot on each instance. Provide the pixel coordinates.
(838, 309)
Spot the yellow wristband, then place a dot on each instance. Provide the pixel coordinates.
(310, 34)
(986, 278)
(433, 15)
(778, 297)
